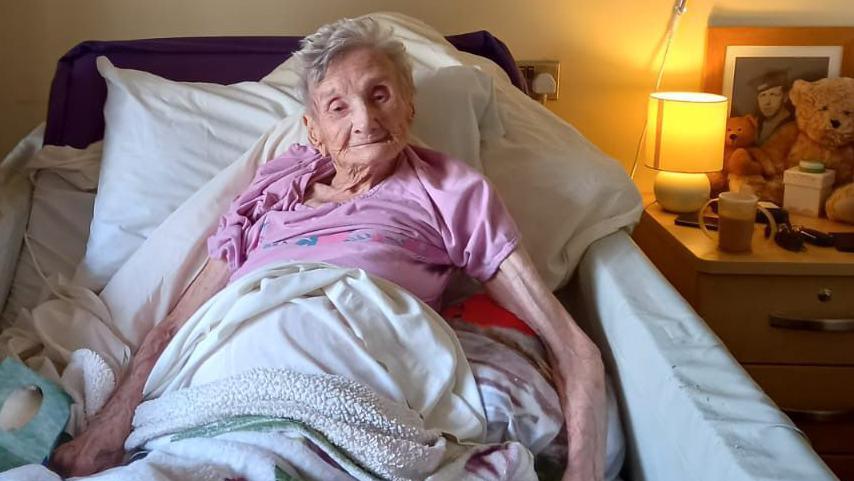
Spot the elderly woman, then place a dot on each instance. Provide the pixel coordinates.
(363, 197)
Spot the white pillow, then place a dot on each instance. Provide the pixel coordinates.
(455, 111)
(563, 192)
(163, 140)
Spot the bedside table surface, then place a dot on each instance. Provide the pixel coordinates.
(766, 257)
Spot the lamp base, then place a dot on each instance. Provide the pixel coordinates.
(679, 192)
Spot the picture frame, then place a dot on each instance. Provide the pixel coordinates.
(719, 39)
(754, 74)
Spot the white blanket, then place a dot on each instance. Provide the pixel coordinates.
(315, 319)
(226, 363)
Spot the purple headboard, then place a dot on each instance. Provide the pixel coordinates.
(75, 109)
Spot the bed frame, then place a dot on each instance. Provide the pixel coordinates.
(689, 411)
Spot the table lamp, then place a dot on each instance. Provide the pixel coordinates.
(684, 140)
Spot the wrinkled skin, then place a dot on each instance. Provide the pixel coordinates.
(359, 115)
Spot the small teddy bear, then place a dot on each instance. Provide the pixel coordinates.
(761, 168)
(740, 132)
(825, 116)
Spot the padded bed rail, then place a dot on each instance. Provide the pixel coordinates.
(689, 409)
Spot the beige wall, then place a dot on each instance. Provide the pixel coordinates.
(607, 48)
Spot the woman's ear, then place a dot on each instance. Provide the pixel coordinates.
(313, 136)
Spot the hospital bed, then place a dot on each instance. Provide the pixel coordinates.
(689, 411)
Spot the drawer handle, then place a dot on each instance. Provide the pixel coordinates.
(842, 415)
(801, 324)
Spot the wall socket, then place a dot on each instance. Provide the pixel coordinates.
(531, 68)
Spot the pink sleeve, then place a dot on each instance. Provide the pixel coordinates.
(269, 190)
(476, 227)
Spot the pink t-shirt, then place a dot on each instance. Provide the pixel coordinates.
(432, 215)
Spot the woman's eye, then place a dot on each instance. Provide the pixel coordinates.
(380, 94)
(336, 107)
(824, 109)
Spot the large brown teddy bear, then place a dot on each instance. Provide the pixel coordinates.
(825, 116)
(761, 168)
(840, 204)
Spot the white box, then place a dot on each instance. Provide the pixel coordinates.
(804, 193)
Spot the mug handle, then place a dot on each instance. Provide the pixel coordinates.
(702, 223)
(771, 221)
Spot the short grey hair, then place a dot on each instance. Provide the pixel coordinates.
(321, 48)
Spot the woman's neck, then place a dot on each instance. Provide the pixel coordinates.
(351, 180)
(359, 178)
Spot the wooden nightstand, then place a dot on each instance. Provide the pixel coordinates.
(787, 317)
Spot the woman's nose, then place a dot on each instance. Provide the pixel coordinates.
(364, 119)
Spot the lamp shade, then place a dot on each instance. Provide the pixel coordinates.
(685, 132)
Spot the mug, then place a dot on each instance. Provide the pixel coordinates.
(736, 216)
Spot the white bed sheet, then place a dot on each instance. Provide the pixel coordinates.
(63, 182)
(689, 410)
(15, 194)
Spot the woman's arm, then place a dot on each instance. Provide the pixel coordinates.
(101, 446)
(579, 374)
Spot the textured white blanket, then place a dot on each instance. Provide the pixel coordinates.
(385, 437)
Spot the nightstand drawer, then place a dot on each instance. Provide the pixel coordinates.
(779, 319)
(819, 399)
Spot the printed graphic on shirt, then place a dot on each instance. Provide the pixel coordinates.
(362, 235)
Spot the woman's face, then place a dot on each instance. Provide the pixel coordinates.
(360, 112)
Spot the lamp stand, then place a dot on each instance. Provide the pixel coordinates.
(679, 192)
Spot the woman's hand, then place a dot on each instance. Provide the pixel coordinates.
(100, 447)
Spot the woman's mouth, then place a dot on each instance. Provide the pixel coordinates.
(377, 140)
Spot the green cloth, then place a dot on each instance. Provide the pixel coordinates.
(32, 443)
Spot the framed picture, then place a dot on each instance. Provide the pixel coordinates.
(756, 66)
(757, 78)
(722, 39)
